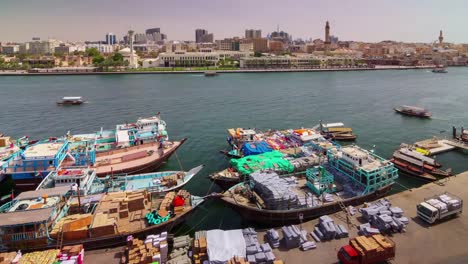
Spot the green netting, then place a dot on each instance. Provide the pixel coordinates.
(269, 160)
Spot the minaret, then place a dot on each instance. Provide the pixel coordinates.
(441, 40)
(327, 38)
(130, 36)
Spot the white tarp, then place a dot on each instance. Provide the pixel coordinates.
(223, 245)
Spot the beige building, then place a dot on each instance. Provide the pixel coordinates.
(276, 47)
(43, 47)
(260, 44)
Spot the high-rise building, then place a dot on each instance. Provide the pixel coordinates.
(152, 31)
(253, 33)
(111, 39)
(207, 38)
(199, 33)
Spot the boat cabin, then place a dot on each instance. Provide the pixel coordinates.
(69, 177)
(38, 160)
(26, 219)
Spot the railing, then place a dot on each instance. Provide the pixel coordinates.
(23, 236)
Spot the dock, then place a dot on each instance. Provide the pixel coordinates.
(435, 145)
(444, 242)
(440, 243)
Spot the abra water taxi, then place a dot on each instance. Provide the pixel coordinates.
(71, 100)
(413, 111)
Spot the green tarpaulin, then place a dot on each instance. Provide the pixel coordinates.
(269, 160)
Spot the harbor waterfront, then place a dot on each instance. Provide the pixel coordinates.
(202, 108)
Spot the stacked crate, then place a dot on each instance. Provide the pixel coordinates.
(200, 252)
(153, 249)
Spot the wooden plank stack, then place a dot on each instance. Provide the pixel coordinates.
(74, 227)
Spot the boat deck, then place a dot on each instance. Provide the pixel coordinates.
(435, 146)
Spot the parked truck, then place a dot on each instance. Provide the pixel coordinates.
(439, 207)
(367, 250)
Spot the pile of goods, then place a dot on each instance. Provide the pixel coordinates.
(382, 218)
(272, 237)
(172, 180)
(71, 255)
(256, 253)
(444, 201)
(74, 227)
(200, 254)
(270, 160)
(327, 230)
(278, 193)
(172, 204)
(153, 249)
(372, 246)
(294, 238)
(46, 257)
(180, 249)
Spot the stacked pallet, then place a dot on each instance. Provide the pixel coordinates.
(43, 257)
(382, 217)
(272, 237)
(256, 252)
(71, 254)
(200, 252)
(179, 254)
(153, 249)
(74, 227)
(327, 230)
(277, 193)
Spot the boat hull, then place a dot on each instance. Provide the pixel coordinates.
(226, 183)
(151, 166)
(287, 217)
(100, 242)
(412, 114)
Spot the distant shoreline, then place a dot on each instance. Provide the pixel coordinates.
(376, 68)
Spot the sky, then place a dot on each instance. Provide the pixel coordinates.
(359, 20)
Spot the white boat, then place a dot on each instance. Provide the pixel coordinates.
(71, 100)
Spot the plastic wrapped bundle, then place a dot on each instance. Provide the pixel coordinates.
(290, 238)
(272, 237)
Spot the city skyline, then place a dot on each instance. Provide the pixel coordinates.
(362, 20)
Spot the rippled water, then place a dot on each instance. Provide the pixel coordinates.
(202, 108)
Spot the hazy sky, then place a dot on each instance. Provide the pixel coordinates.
(366, 20)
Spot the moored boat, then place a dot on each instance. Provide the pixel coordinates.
(351, 176)
(210, 73)
(8, 151)
(413, 111)
(336, 131)
(440, 69)
(414, 163)
(96, 221)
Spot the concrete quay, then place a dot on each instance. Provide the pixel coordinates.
(445, 242)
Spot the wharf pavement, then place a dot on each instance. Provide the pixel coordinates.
(445, 242)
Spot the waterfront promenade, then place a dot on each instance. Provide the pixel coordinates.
(169, 71)
(444, 242)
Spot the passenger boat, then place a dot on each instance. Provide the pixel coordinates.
(415, 164)
(71, 100)
(336, 131)
(50, 218)
(439, 69)
(351, 176)
(413, 111)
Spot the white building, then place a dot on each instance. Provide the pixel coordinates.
(103, 48)
(69, 48)
(131, 57)
(43, 47)
(10, 49)
(187, 59)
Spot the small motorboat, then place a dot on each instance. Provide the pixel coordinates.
(210, 73)
(439, 69)
(71, 100)
(413, 111)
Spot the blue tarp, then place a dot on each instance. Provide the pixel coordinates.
(255, 148)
